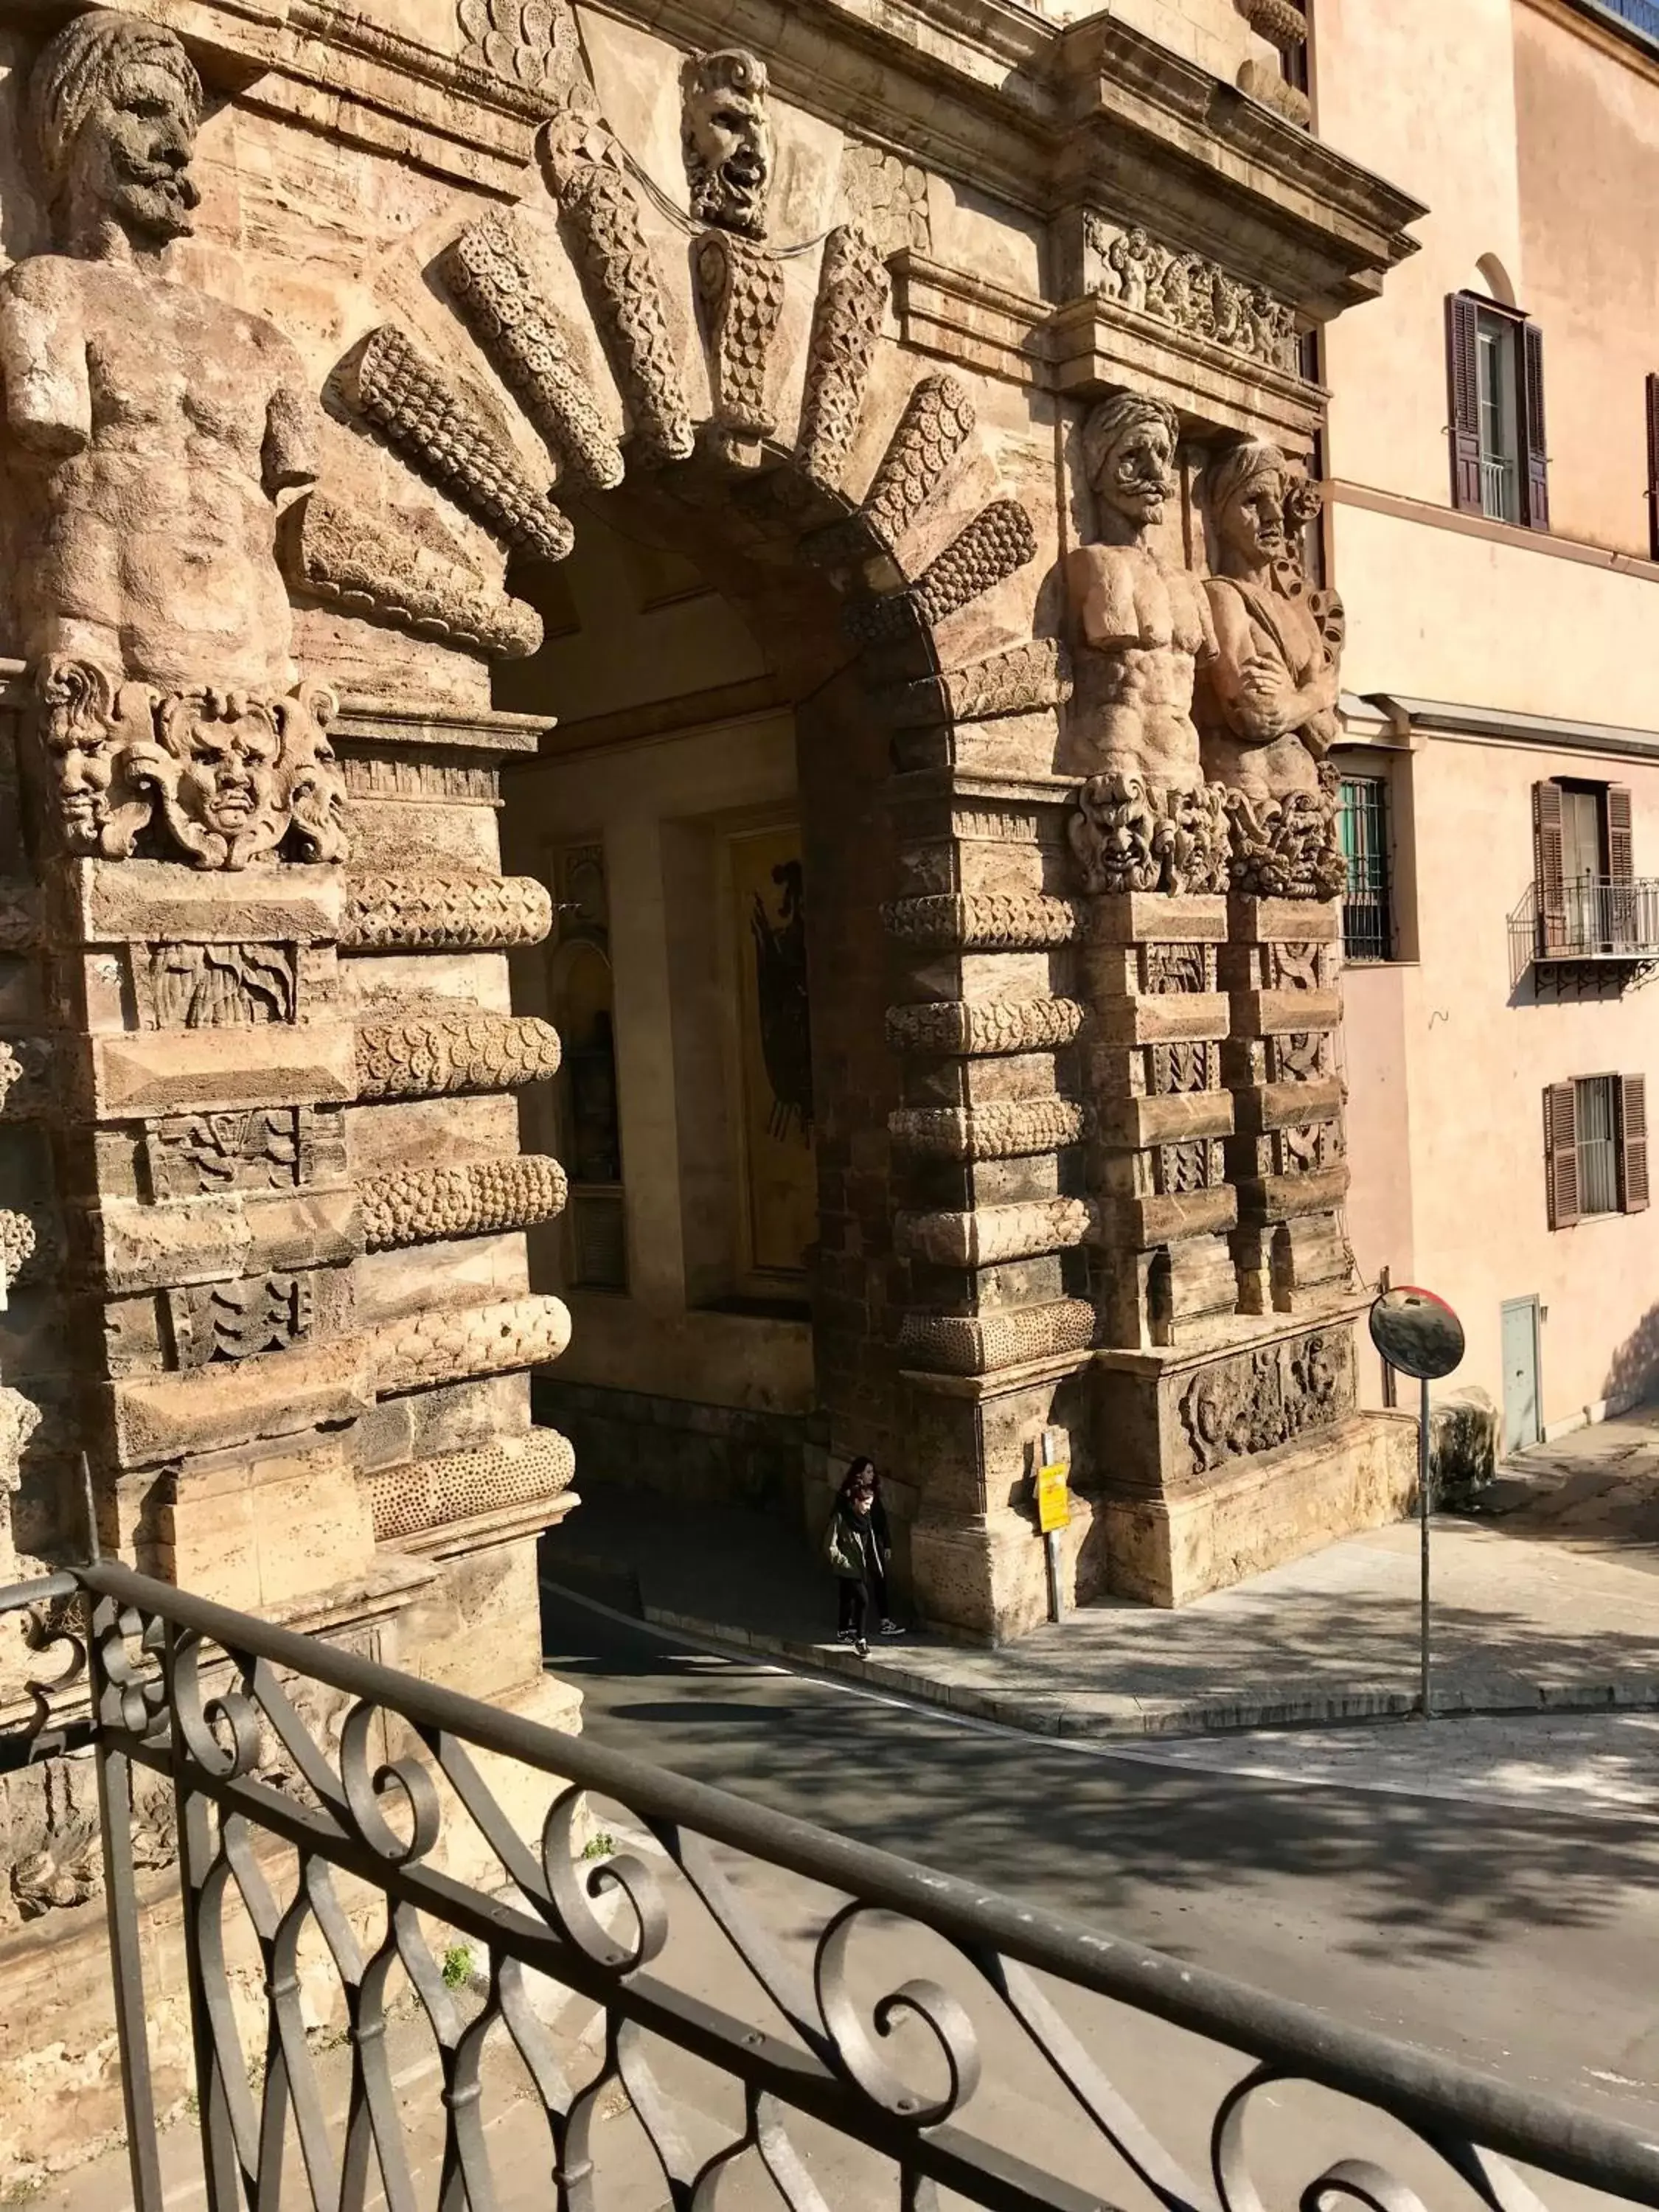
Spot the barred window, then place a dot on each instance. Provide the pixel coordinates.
(1366, 933)
(1596, 1147)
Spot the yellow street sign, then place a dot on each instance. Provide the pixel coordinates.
(1053, 1498)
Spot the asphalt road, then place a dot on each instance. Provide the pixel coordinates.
(1520, 1938)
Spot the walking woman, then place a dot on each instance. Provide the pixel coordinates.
(859, 1548)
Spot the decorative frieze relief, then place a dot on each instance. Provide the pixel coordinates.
(490, 274)
(1002, 1129)
(740, 297)
(451, 782)
(224, 777)
(852, 300)
(1197, 1163)
(424, 1205)
(997, 543)
(1170, 969)
(991, 1234)
(1262, 1398)
(449, 912)
(988, 922)
(239, 1320)
(1298, 1056)
(1179, 1069)
(974, 1028)
(1128, 836)
(435, 1494)
(431, 1055)
(1193, 296)
(887, 197)
(1307, 1147)
(412, 576)
(443, 431)
(200, 1155)
(26, 1089)
(985, 1343)
(445, 1346)
(624, 291)
(211, 987)
(1300, 966)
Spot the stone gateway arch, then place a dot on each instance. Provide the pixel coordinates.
(321, 347)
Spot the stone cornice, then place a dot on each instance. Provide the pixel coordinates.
(983, 91)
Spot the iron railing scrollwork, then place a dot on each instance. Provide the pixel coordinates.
(328, 1806)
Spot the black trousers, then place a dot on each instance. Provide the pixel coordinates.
(861, 1604)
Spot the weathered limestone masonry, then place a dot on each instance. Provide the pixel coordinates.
(319, 333)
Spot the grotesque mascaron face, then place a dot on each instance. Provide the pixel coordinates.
(728, 152)
(1252, 523)
(224, 779)
(1138, 476)
(133, 158)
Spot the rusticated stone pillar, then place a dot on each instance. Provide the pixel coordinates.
(1288, 1160)
(993, 1212)
(1151, 1059)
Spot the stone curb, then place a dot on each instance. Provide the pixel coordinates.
(1127, 1717)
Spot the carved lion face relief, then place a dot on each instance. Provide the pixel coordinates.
(726, 135)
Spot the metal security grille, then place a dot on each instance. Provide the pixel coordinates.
(1598, 1146)
(1364, 822)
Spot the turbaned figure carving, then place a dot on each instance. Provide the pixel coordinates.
(1269, 694)
(1145, 820)
(149, 430)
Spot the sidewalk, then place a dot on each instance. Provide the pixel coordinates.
(1547, 1599)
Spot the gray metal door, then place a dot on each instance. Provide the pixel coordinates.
(1521, 1426)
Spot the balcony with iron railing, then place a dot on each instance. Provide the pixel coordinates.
(1608, 923)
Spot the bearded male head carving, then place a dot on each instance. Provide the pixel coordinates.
(726, 133)
(114, 110)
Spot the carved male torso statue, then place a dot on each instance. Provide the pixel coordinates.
(1142, 626)
(1269, 699)
(149, 426)
(1145, 628)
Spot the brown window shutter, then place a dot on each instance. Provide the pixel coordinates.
(1535, 477)
(1634, 1143)
(1463, 382)
(1549, 865)
(1621, 842)
(1653, 467)
(1561, 1153)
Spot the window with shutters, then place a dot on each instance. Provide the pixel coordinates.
(1596, 1147)
(1589, 902)
(1500, 464)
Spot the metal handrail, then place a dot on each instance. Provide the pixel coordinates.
(206, 1660)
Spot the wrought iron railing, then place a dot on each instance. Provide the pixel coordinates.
(874, 2033)
(1500, 489)
(1596, 919)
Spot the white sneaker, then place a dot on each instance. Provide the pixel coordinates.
(843, 1636)
(891, 1628)
(862, 1649)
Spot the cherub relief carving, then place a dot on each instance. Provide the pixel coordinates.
(150, 431)
(1143, 630)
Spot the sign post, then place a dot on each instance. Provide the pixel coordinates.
(1053, 1504)
(1420, 1335)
